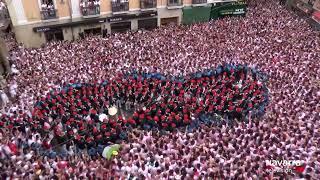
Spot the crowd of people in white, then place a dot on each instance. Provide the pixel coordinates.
(269, 38)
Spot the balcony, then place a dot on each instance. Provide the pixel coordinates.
(199, 2)
(4, 13)
(4, 19)
(90, 11)
(119, 6)
(148, 4)
(174, 4)
(48, 14)
(305, 8)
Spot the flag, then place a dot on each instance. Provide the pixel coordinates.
(110, 151)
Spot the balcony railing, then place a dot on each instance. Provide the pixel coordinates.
(174, 3)
(119, 6)
(47, 14)
(4, 19)
(90, 10)
(199, 1)
(4, 14)
(148, 4)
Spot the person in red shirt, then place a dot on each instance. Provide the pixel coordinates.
(13, 148)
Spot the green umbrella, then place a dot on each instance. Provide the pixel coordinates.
(110, 150)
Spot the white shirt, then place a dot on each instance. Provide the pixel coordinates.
(134, 168)
(4, 97)
(14, 70)
(28, 156)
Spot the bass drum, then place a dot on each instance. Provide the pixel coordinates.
(112, 111)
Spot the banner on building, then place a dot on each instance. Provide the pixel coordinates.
(228, 9)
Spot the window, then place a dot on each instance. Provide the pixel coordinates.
(48, 10)
(120, 27)
(174, 2)
(93, 31)
(144, 4)
(90, 7)
(169, 21)
(56, 35)
(120, 5)
(148, 24)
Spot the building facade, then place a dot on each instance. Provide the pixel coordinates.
(36, 22)
(307, 9)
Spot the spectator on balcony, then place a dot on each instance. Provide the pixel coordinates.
(47, 8)
(97, 6)
(43, 7)
(119, 1)
(82, 4)
(2, 5)
(4, 98)
(90, 7)
(47, 5)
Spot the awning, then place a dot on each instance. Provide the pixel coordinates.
(145, 14)
(196, 14)
(115, 18)
(53, 27)
(316, 16)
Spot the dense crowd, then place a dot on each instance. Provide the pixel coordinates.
(269, 38)
(230, 91)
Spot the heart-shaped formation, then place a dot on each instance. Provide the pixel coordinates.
(231, 91)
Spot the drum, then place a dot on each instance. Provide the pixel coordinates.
(112, 111)
(102, 117)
